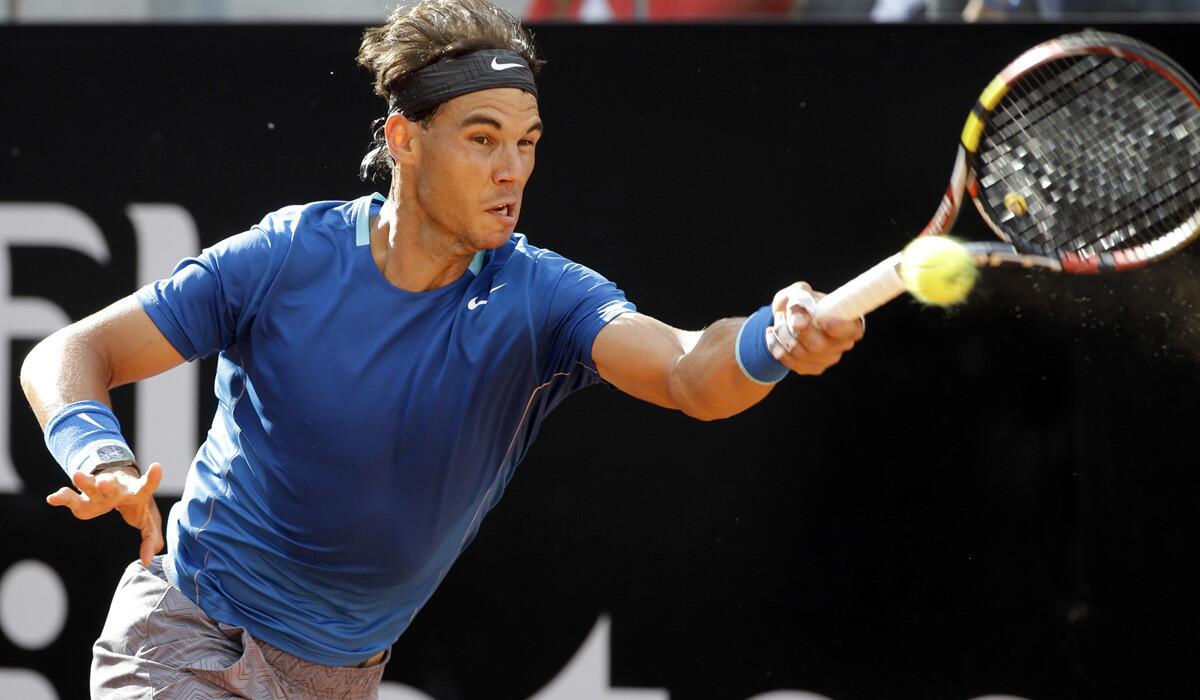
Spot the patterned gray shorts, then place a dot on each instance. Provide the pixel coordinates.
(158, 644)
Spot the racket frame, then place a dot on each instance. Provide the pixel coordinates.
(882, 282)
(1078, 44)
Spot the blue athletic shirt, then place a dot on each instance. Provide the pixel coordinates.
(362, 431)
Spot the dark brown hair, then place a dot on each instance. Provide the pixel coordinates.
(418, 35)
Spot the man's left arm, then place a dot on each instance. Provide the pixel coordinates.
(699, 372)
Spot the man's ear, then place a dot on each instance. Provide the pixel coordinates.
(402, 142)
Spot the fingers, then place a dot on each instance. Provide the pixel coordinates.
(132, 497)
(108, 488)
(842, 329)
(140, 511)
(151, 529)
(86, 483)
(98, 495)
(86, 503)
(793, 309)
(139, 496)
(803, 344)
(150, 546)
(78, 504)
(151, 479)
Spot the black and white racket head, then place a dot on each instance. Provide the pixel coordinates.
(1086, 150)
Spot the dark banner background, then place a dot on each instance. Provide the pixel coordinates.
(995, 500)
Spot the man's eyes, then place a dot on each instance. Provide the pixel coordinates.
(483, 140)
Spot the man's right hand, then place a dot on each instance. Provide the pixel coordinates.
(132, 496)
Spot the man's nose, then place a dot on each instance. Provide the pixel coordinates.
(508, 164)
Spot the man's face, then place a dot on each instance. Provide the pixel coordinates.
(474, 160)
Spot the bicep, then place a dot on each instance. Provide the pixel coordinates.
(125, 338)
(638, 354)
(81, 362)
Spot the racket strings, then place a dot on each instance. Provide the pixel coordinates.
(1041, 93)
(1105, 136)
(1105, 151)
(1035, 100)
(1102, 128)
(1154, 197)
(1170, 192)
(1123, 200)
(1139, 178)
(1043, 90)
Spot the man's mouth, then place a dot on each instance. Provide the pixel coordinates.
(502, 210)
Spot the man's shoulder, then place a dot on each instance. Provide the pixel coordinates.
(520, 251)
(542, 261)
(323, 215)
(286, 231)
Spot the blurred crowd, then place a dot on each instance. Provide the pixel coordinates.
(862, 10)
(358, 11)
(1050, 10)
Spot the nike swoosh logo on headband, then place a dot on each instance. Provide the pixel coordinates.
(503, 66)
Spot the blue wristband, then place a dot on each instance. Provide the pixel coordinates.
(756, 361)
(86, 436)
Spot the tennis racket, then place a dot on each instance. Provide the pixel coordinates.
(1083, 156)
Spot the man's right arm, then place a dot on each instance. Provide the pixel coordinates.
(82, 362)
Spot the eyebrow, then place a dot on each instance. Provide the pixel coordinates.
(473, 119)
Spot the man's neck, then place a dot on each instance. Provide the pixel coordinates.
(412, 254)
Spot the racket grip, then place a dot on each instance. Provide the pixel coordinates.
(865, 293)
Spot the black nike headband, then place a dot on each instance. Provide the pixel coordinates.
(458, 75)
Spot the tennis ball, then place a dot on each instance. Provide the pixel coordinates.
(937, 270)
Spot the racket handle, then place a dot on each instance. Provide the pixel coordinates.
(865, 293)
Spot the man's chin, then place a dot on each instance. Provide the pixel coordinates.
(491, 241)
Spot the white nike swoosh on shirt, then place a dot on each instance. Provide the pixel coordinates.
(503, 66)
(475, 302)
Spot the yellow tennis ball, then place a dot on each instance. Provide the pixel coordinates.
(937, 270)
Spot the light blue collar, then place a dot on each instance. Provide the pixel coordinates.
(362, 229)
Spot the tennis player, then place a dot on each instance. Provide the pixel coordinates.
(383, 365)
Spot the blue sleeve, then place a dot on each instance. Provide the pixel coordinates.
(209, 300)
(581, 303)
